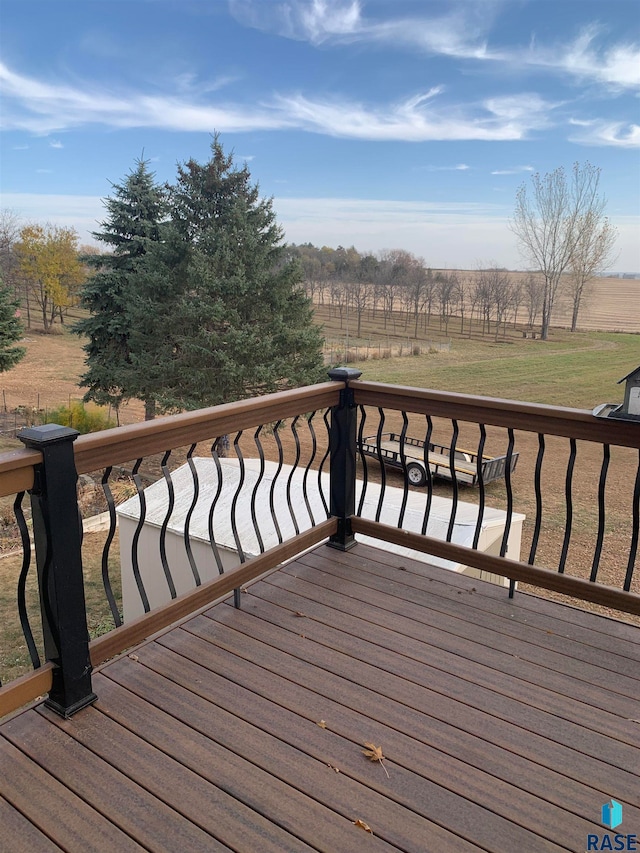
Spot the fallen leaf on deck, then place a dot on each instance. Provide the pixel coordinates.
(297, 613)
(374, 753)
(335, 769)
(362, 825)
(322, 724)
(133, 657)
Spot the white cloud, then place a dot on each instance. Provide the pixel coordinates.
(72, 211)
(189, 82)
(445, 234)
(460, 167)
(418, 120)
(462, 32)
(515, 170)
(314, 21)
(458, 33)
(607, 133)
(43, 107)
(615, 65)
(55, 143)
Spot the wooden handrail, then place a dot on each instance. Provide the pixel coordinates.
(530, 417)
(16, 470)
(25, 689)
(123, 444)
(598, 593)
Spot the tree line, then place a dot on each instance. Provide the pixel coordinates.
(399, 288)
(43, 266)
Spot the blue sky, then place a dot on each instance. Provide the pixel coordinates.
(378, 123)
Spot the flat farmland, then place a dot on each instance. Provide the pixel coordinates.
(610, 304)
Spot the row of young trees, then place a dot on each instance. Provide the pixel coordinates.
(397, 283)
(197, 301)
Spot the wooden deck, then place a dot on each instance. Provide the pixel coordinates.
(505, 725)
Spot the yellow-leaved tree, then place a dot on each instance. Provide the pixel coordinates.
(50, 268)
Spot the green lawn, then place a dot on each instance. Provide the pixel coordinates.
(579, 370)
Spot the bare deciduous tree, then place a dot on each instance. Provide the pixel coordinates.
(9, 236)
(592, 253)
(494, 293)
(358, 294)
(549, 224)
(533, 288)
(447, 290)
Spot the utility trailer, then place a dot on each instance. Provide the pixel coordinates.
(465, 463)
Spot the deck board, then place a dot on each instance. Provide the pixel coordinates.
(41, 798)
(442, 649)
(19, 835)
(443, 671)
(504, 724)
(621, 674)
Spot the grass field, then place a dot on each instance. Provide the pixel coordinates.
(577, 370)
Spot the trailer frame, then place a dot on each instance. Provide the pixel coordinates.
(388, 449)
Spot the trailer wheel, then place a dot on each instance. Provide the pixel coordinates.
(416, 474)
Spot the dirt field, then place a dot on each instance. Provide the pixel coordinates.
(609, 304)
(49, 374)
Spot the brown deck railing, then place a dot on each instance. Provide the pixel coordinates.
(322, 439)
(604, 438)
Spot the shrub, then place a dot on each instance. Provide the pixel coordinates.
(79, 417)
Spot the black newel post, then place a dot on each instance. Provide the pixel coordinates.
(57, 537)
(342, 497)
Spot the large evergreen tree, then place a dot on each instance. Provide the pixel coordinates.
(203, 308)
(132, 231)
(242, 323)
(11, 329)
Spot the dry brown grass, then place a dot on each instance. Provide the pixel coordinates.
(48, 376)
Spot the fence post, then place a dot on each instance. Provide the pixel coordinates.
(342, 489)
(58, 541)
